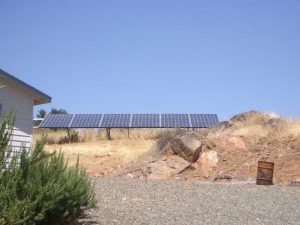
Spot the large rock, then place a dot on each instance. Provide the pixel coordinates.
(168, 150)
(187, 146)
(207, 161)
(166, 167)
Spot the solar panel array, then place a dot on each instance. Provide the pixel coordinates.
(129, 121)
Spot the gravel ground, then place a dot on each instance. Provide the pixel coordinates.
(125, 201)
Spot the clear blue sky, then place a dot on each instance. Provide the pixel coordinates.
(164, 56)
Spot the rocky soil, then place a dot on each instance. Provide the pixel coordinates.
(131, 201)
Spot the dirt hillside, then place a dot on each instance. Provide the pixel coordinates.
(245, 139)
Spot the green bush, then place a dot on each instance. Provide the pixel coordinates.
(39, 188)
(6, 128)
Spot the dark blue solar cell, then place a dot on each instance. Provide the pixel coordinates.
(208, 120)
(197, 121)
(175, 120)
(86, 121)
(144, 120)
(57, 121)
(203, 120)
(213, 119)
(216, 119)
(116, 120)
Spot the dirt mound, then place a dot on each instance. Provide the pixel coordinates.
(256, 125)
(242, 117)
(255, 118)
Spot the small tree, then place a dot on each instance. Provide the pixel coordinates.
(41, 113)
(58, 111)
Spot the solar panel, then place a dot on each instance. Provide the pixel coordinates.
(57, 121)
(144, 120)
(197, 120)
(86, 120)
(175, 120)
(129, 120)
(215, 119)
(115, 120)
(203, 120)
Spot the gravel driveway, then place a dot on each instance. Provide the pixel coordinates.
(125, 201)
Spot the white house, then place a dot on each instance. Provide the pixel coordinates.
(16, 94)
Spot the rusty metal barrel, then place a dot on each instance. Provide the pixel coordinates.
(264, 173)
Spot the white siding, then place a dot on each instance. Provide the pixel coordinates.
(22, 102)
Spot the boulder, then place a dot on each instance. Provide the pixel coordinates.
(168, 150)
(207, 161)
(166, 167)
(187, 146)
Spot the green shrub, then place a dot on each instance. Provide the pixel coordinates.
(6, 128)
(39, 188)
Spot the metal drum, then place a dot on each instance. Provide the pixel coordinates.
(264, 173)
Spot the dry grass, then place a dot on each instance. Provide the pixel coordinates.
(259, 125)
(108, 157)
(292, 127)
(92, 135)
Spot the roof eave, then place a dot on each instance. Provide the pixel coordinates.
(39, 97)
(41, 101)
